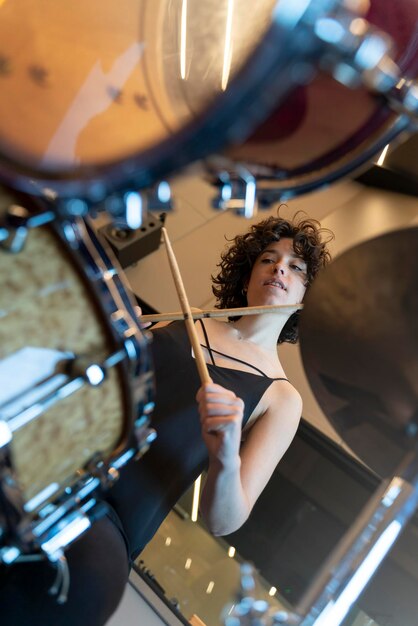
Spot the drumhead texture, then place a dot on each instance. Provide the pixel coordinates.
(44, 305)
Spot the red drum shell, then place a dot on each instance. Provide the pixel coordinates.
(323, 123)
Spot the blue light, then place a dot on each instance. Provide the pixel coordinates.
(133, 210)
(329, 30)
(164, 191)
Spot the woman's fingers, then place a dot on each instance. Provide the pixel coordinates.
(138, 312)
(220, 405)
(213, 388)
(220, 423)
(220, 409)
(211, 392)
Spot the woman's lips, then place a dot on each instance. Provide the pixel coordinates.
(275, 283)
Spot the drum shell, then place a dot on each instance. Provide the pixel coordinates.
(47, 303)
(325, 129)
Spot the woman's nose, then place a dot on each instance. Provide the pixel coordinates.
(279, 269)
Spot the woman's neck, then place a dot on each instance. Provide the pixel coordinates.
(263, 330)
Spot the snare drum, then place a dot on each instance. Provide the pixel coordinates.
(98, 99)
(76, 380)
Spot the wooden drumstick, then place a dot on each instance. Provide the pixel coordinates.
(185, 307)
(198, 315)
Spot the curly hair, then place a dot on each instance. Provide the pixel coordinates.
(237, 261)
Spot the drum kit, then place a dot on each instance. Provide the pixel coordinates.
(97, 108)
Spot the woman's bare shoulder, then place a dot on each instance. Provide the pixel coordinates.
(282, 394)
(281, 399)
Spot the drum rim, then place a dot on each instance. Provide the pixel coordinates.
(114, 339)
(355, 161)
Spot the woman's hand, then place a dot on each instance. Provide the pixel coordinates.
(143, 325)
(221, 414)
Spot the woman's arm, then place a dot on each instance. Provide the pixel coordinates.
(237, 476)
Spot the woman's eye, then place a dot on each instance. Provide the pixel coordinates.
(296, 267)
(267, 261)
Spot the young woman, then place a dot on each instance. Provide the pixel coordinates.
(237, 427)
(245, 419)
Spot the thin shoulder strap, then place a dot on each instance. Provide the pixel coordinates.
(233, 358)
(207, 346)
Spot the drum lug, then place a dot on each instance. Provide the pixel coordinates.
(101, 470)
(49, 536)
(13, 239)
(144, 436)
(18, 221)
(92, 372)
(237, 191)
(128, 209)
(132, 206)
(358, 53)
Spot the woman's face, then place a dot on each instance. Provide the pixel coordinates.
(278, 276)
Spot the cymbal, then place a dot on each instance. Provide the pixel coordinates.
(359, 346)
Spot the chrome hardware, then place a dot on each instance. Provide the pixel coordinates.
(5, 433)
(351, 565)
(159, 197)
(52, 519)
(75, 207)
(61, 585)
(93, 371)
(145, 437)
(129, 209)
(18, 216)
(107, 475)
(357, 53)
(15, 239)
(248, 611)
(70, 373)
(237, 191)
(56, 527)
(17, 223)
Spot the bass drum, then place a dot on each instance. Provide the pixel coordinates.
(98, 99)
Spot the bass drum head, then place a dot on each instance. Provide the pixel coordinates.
(325, 130)
(89, 86)
(109, 97)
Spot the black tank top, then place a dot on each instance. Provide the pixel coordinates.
(149, 488)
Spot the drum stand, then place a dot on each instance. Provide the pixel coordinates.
(353, 562)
